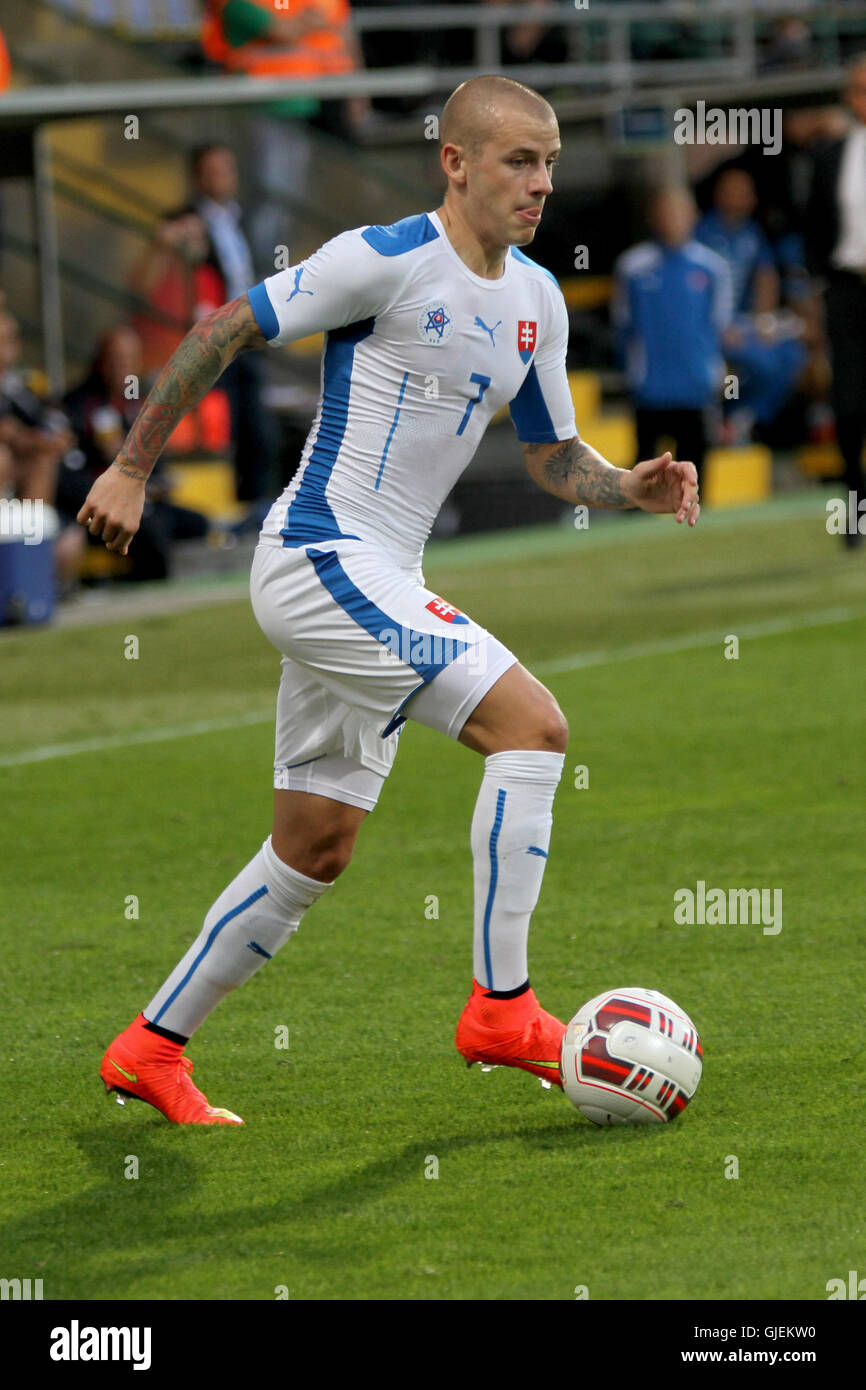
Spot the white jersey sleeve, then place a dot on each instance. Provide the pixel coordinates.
(340, 283)
(543, 409)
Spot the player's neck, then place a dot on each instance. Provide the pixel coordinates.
(484, 260)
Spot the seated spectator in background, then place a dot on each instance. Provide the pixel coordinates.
(671, 306)
(215, 200)
(790, 45)
(730, 229)
(532, 42)
(34, 439)
(34, 432)
(102, 413)
(763, 346)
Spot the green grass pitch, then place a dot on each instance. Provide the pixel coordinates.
(745, 772)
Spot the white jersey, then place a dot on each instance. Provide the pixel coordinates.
(420, 354)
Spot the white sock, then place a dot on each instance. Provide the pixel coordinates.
(247, 925)
(510, 838)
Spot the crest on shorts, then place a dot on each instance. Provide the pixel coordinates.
(446, 611)
(527, 331)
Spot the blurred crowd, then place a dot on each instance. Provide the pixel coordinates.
(755, 278)
(53, 450)
(742, 317)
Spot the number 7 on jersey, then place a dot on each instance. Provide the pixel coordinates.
(483, 383)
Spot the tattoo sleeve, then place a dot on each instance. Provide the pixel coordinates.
(577, 473)
(188, 375)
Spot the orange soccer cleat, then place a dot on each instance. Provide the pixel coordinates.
(511, 1033)
(149, 1067)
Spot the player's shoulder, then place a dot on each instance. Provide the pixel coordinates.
(401, 238)
(637, 260)
(535, 273)
(545, 290)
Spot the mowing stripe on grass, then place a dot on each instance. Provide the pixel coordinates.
(560, 665)
(96, 745)
(688, 641)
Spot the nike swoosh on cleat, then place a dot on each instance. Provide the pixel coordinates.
(537, 1062)
(130, 1075)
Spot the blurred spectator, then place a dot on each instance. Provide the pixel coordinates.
(672, 304)
(5, 65)
(396, 48)
(836, 251)
(763, 346)
(34, 433)
(34, 437)
(526, 42)
(730, 229)
(532, 42)
(311, 39)
(790, 45)
(102, 413)
(180, 281)
(215, 201)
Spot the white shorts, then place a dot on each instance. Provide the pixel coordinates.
(365, 646)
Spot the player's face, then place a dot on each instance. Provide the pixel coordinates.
(511, 179)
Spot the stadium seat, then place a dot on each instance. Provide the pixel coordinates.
(586, 396)
(821, 460)
(208, 486)
(737, 476)
(613, 436)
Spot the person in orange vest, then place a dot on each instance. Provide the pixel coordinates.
(260, 38)
(5, 64)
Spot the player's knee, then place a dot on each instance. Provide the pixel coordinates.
(553, 729)
(325, 858)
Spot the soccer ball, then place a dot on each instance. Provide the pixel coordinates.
(631, 1056)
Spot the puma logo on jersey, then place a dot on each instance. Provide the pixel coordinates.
(297, 290)
(479, 322)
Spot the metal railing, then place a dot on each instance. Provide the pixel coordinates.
(732, 27)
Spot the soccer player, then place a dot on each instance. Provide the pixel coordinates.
(432, 325)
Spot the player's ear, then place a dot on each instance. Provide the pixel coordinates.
(454, 162)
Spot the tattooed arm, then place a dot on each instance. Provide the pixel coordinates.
(114, 504)
(578, 474)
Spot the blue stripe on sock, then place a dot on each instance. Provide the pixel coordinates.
(494, 874)
(259, 950)
(536, 849)
(214, 933)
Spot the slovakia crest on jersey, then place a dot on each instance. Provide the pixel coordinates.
(446, 611)
(527, 331)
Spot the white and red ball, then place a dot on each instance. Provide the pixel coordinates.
(631, 1056)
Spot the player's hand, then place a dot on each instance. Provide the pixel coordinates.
(113, 508)
(665, 485)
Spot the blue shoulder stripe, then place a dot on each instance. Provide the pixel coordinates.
(527, 260)
(400, 237)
